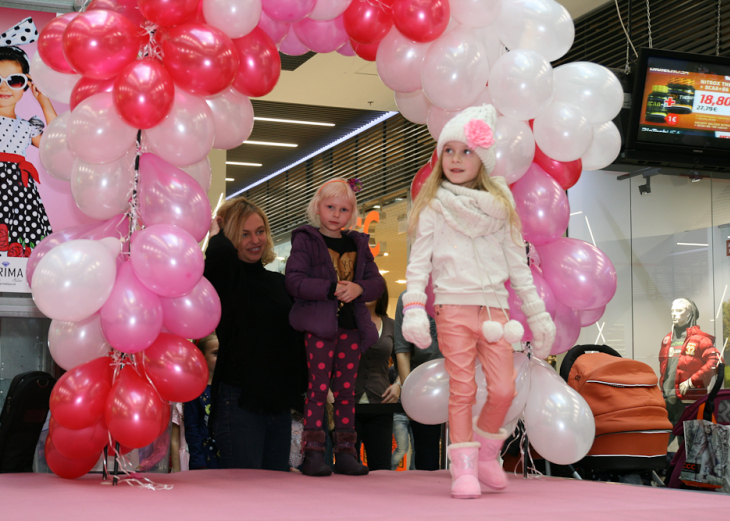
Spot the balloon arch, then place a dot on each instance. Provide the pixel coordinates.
(153, 85)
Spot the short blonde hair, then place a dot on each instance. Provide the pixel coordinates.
(337, 187)
(234, 213)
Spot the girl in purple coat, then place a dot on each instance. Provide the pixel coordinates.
(331, 274)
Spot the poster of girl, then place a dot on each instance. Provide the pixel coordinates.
(23, 218)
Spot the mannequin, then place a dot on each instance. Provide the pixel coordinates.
(688, 359)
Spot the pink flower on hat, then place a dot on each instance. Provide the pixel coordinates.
(478, 134)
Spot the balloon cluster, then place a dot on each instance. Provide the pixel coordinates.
(558, 420)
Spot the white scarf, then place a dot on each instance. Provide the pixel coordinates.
(473, 213)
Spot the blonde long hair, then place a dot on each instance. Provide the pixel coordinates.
(482, 182)
(234, 213)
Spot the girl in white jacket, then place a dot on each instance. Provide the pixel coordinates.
(467, 237)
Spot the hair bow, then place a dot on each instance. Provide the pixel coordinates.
(20, 34)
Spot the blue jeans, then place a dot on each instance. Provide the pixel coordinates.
(402, 433)
(247, 440)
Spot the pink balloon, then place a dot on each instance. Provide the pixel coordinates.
(580, 275)
(167, 195)
(329, 9)
(87, 87)
(430, 298)
(96, 132)
(176, 367)
(346, 49)
(542, 206)
(275, 30)
(131, 318)
(437, 118)
(233, 118)
(143, 93)
(400, 61)
(421, 20)
(50, 43)
(168, 12)
(117, 227)
(187, 134)
(75, 343)
(589, 317)
(260, 64)
(103, 191)
(289, 11)
(567, 328)
(128, 8)
(291, 46)
(321, 36)
(194, 315)
(515, 302)
(100, 43)
(79, 444)
(201, 59)
(56, 156)
(167, 260)
(134, 410)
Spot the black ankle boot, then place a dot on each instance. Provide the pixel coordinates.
(346, 456)
(313, 444)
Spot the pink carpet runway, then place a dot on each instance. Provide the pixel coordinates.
(218, 495)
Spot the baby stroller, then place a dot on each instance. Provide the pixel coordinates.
(632, 427)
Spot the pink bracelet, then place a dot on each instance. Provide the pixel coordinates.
(414, 305)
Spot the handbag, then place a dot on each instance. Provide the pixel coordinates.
(707, 444)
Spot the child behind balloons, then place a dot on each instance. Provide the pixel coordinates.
(331, 274)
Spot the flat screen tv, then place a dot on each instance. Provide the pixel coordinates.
(680, 111)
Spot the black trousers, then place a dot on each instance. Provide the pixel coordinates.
(426, 441)
(375, 431)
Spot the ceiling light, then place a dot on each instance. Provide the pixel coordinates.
(383, 272)
(401, 281)
(294, 121)
(270, 144)
(385, 254)
(691, 244)
(376, 206)
(280, 258)
(229, 179)
(238, 163)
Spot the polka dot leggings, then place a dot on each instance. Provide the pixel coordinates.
(340, 356)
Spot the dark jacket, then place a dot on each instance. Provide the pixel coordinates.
(310, 275)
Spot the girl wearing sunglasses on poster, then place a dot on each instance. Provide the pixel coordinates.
(23, 219)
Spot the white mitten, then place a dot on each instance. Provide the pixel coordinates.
(416, 327)
(542, 326)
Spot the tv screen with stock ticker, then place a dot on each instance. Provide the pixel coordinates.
(685, 102)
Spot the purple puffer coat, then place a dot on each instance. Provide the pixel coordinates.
(310, 274)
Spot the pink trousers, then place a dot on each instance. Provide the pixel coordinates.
(461, 341)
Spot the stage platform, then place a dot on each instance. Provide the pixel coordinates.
(221, 495)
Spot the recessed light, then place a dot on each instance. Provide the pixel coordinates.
(294, 121)
(238, 163)
(376, 206)
(270, 144)
(280, 258)
(383, 272)
(691, 244)
(229, 179)
(385, 254)
(401, 281)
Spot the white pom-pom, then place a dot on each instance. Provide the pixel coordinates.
(513, 332)
(492, 331)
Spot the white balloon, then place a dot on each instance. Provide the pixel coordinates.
(232, 117)
(328, 9)
(562, 131)
(592, 87)
(558, 420)
(604, 149)
(514, 148)
(521, 84)
(413, 106)
(542, 26)
(399, 62)
(74, 343)
(103, 191)
(522, 390)
(201, 172)
(425, 394)
(490, 39)
(55, 85)
(437, 118)
(475, 13)
(236, 18)
(455, 70)
(56, 156)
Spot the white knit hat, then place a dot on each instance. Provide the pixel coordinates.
(475, 127)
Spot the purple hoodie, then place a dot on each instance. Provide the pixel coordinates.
(310, 275)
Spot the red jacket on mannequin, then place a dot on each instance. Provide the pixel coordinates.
(698, 360)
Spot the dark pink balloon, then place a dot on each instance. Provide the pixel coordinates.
(580, 275)
(201, 59)
(131, 318)
(421, 20)
(143, 93)
(64, 467)
(81, 443)
(366, 51)
(194, 315)
(515, 302)
(567, 328)
(275, 30)
(565, 173)
(176, 367)
(366, 23)
(542, 206)
(100, 43)
(168, 12)
(134, 410)
(321, 36)
(288, 11)
(168, 195)
(589, 317)
(86, 87)
(50, 43)
(127, 8)
(260, 64)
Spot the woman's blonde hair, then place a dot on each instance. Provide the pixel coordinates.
(234, 213)
(482, 182)
(337, 187)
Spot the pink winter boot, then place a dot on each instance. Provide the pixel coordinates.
(490, 471)
(464, 482)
